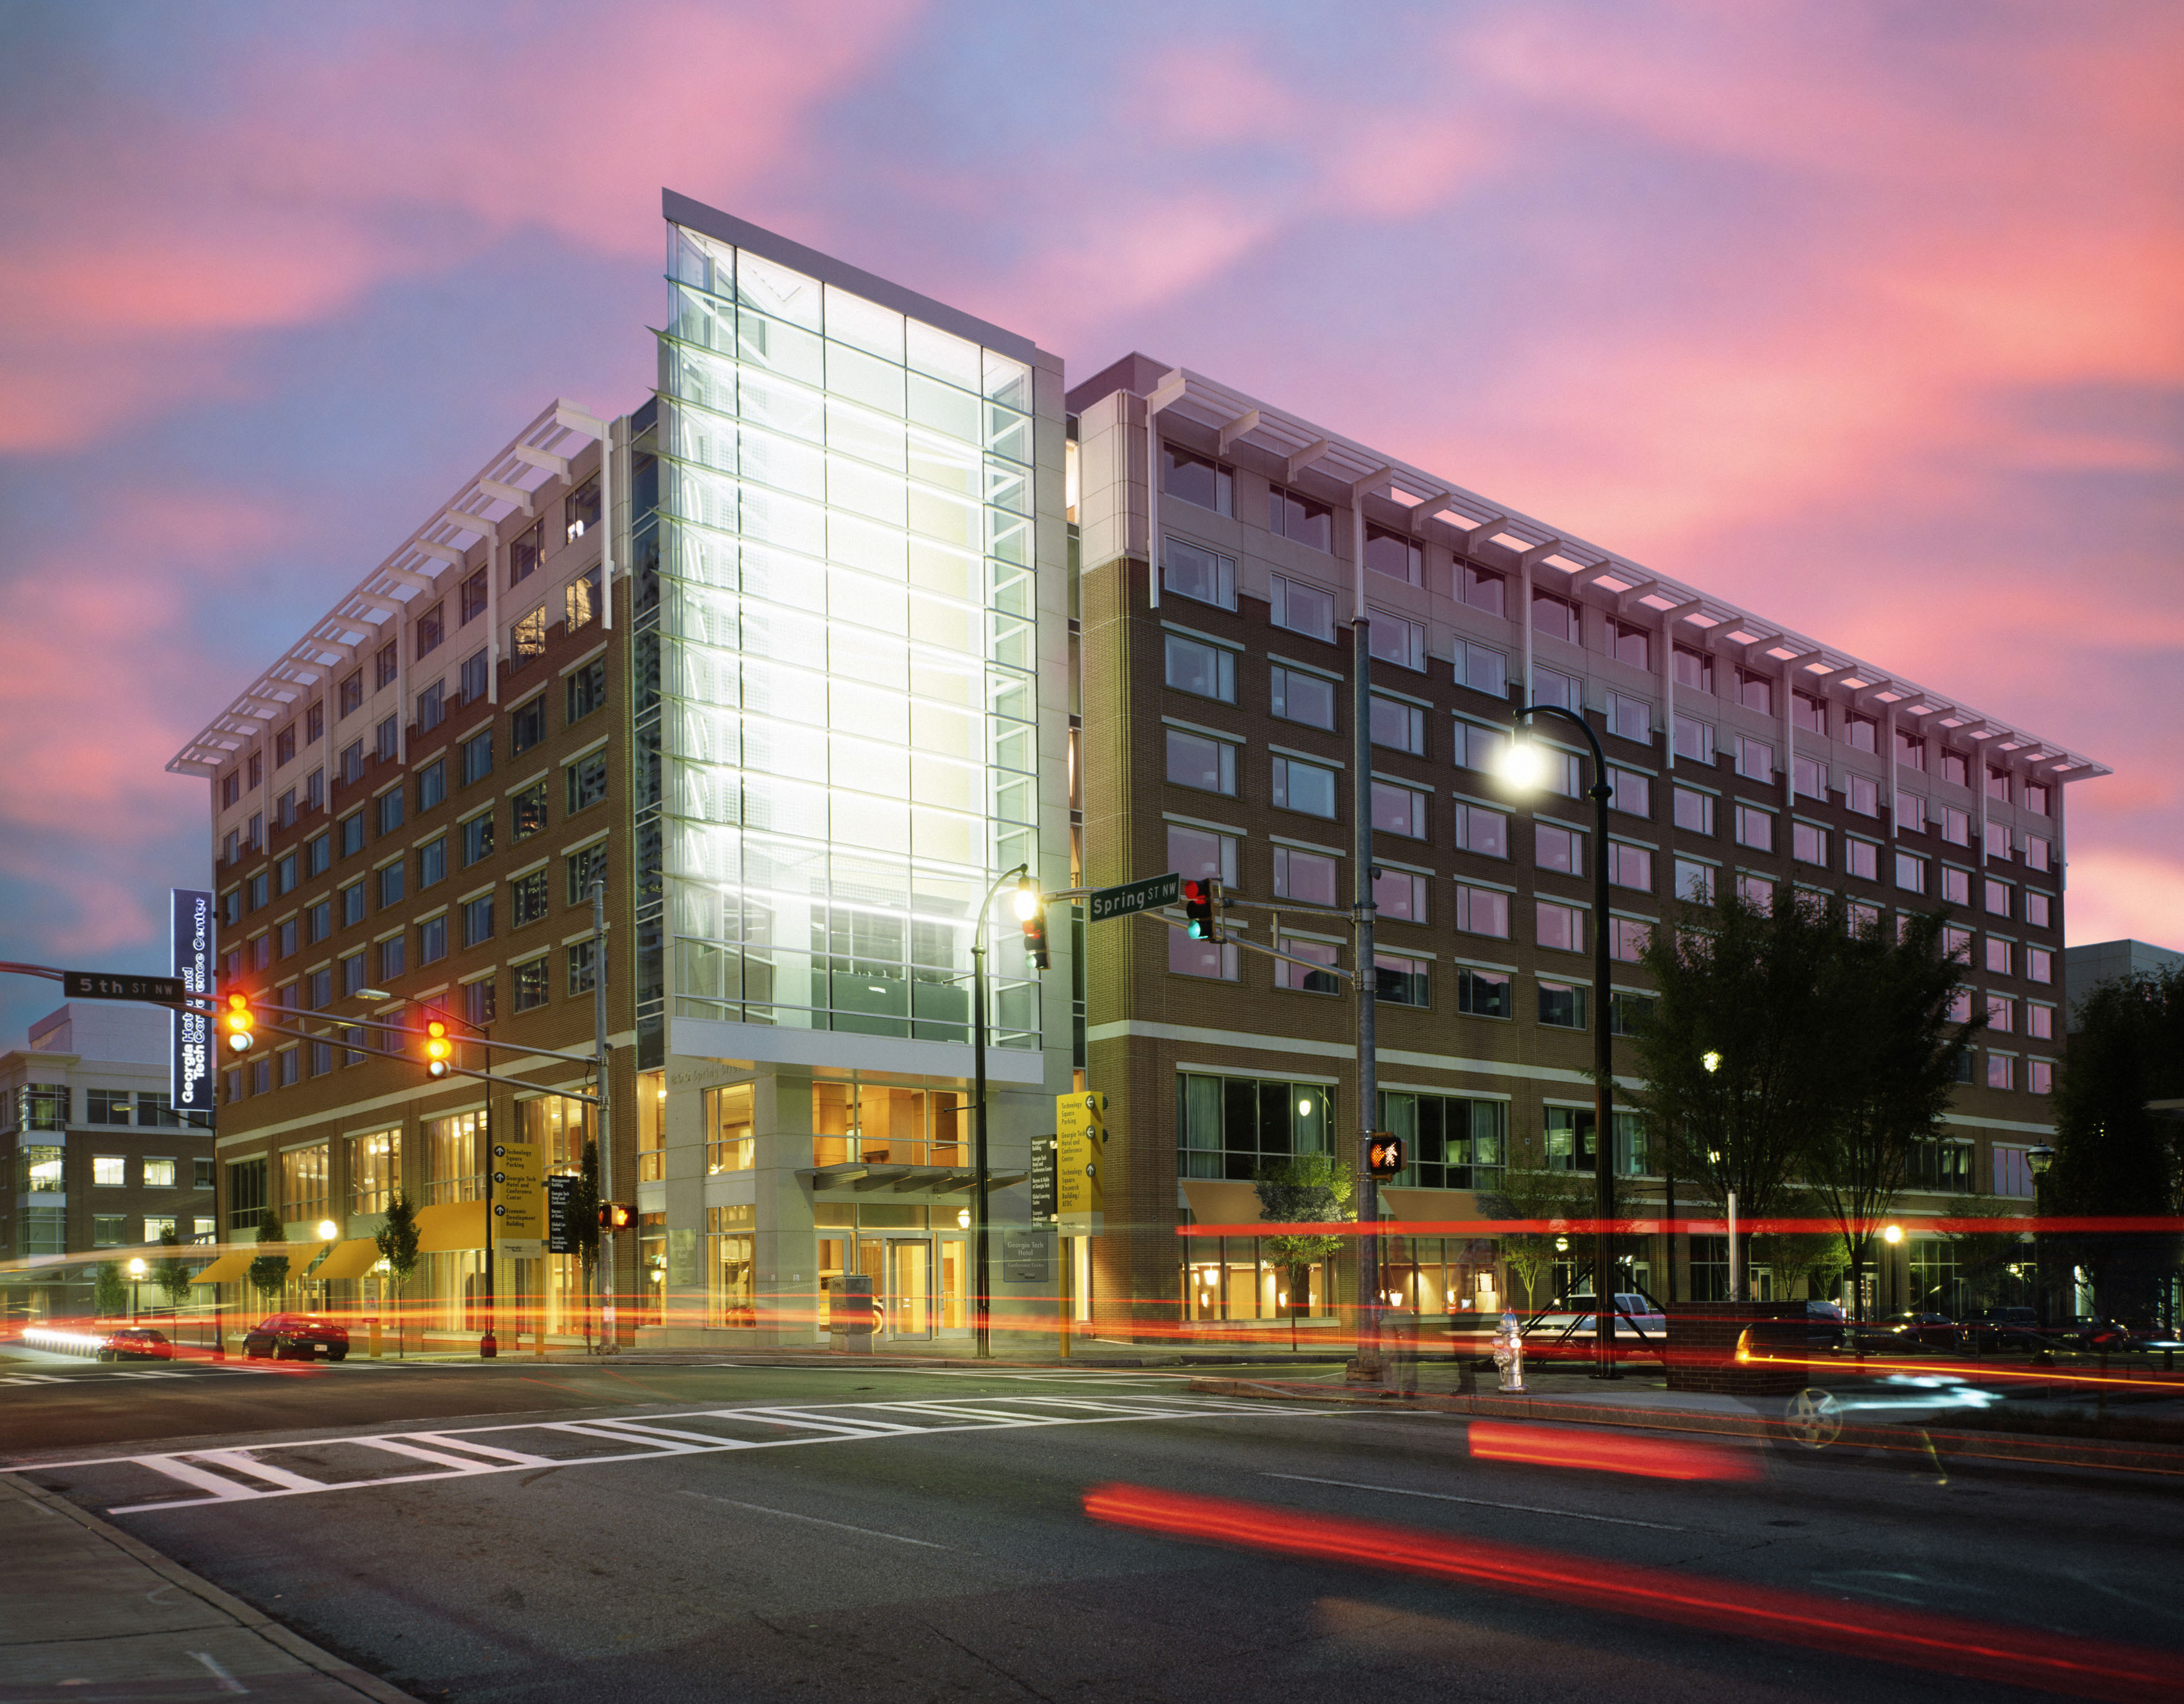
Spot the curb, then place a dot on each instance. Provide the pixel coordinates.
(273, 1632)
(2011, 1448)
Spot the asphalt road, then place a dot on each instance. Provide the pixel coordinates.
(643, 1532)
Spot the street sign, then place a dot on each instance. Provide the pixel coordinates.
(190, 1080)
(1026, 1257)
(96, 985)
(1080, 1149)
(1133, 896)
(560, 1214)
(1042, 1179)
(517, 1206)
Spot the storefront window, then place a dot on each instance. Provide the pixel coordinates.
(652, 1127)
(874, 1124)
(728, 1143)
(730, 1242)
(374, 1168)
(304, 1184)
(451, 1155)
(560, 1126)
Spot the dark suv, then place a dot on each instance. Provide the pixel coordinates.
(297, 1337)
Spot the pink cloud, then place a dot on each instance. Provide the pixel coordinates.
(2118, 894)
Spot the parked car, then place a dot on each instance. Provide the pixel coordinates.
(1634, 1315)
(1986, 1337)
(1912, 1330)
(136, 1342)
(296, 1336)
(2104, 1336)
(2001, 1316)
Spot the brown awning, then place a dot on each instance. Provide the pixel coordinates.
(349, 1259)
(451, 1228)
(1215, 1201)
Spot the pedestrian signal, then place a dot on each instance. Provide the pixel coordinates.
(1384, 1155)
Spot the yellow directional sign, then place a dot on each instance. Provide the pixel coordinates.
(518, 1199)
(1080, 1158)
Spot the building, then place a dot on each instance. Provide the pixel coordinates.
(2108, 961)
(1217, 737)
(808, 653)
(101, 1163)
(767, 653)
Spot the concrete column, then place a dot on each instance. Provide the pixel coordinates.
(785, 1251)
(688, 1301)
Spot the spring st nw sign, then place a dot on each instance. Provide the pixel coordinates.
(1080, 1158)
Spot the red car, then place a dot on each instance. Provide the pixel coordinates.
(297, 1337)
(136, 1342)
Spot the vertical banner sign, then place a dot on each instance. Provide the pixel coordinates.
(190, 1071)
(561, 1215)
(519, 1200)
(1080, 1158)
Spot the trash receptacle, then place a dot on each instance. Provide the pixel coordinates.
(850, 1321)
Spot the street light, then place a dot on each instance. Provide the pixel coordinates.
(1523, 768)
(328, 1230)
(980, 1220)
(1710, 1060)
(136, 1289)
(2037, 1158)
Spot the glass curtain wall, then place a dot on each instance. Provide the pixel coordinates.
(848, 735)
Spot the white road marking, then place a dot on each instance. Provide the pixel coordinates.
(227, 1682)
(1477, 1502)
(838, 1526)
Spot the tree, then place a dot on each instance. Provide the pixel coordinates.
(2112, 1156)
(1535, 1194)
(584, 1221)
(1886, 1051)
(1739, 986)
(397, 1238)
(1310, 1189)
(113, 1290)
(1983, 1256)
(172, 1275)
(1795, 1256)
(269, 1273)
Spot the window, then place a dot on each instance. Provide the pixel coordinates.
(257, 835)
(532, 990)
(106, 1106)
(1565, 772)
(527, 811)
(1401, 894)
(587, 781)
(1755, 829)
(1960, 1008)
(2037, 853)
(1291, 515)
(1626, 1014)
(1482, 669)
(586, 865)
(2001, 1014)
(1693, 671)
(528, 899)
(1627, 937)
(432, 707)
(1392, 554)
(1205, 576)
(1629, 792)
(1862, 795)
(392, 958)
(319, 990)
(1559, 926)
(1300, 978)
(1557, 617)
(1396, 640)
(284, 746)
(1809, 713)
(477, 676)
(1304, 609)
(432, 784)
(351, 698)
(2039, 1021)
(1482, 993)
(585, 691)
(1309, 878)
(432, 628)
(2035, 908)
(1400, 810)
(1694, 811)
(284, 874)
(1910, 750)
(1234, 1127)
(1956, 826)
(1694, 882)
(1755, 760)
(1195, 479)
(1998, 783)
(352, 902)
(1808, 843)
(261, 1077)
(45, 1106)
(1305, 698)
(2000, 1071)
(1998, 898)
(1482, 911)
(1480, 748)
(431, 862)
(1561, 1005)
(1197, 760)
(1482, 588)
(352, 762)
(1399, 726)
(477, 921)
(108, 1230)
(1956, 886)
(580, 509)
(287, 932)
(1208, 671)
(432, 940)
(479, 1006)
(1630, 718)
(2035, 798)
(1481, 831)
(109, 1171)
(474, 597)
(527, 639)
(1757, 891)
(1755, 691)
(1302, 787)
(1449, 1143)
(320, 920)
(523, 554)
(2039, 964)
(1861, 920)
(1630, 867)
(1811, 777)
(477, 839)
(1558, 848)
(261, 952)
(580, 601)
(2040, 1076)
(352, 975)
(1998, 956)
(478, 757)
(1401, 981)
(580, 968)
(1861, 733)
(1862, 858)
(1551, 686)
(1694, 739)
(1910, 812)
(1626, 642)
(318, 855)
(257, 770)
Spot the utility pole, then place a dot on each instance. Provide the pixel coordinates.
(610, 1335)
(982, 1299)
(1367, 1364)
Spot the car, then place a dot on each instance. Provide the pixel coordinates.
(2001, 1316)
(2104, 1336)
(1984, 1337)
(1912, 1330)
(296, 1336)
(136, 1342)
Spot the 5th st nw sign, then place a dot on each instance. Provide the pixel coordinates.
(1135, 896)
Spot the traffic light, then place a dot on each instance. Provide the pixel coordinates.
(1031, 910)
(1384, 1155)
(439, 1051)
(1201, 907)
(237, 1023)
(617, 1215)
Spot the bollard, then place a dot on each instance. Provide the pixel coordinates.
(1509, 1355)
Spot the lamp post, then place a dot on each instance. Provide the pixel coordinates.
(982, 1299)
(327, 1231)
(136, 1289)
(1891, 1235)
(1522, 768)
(2037, 1158)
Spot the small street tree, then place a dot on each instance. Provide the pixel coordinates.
(172, 1274)
(397, 1238)
(584, 1217)
(1309, 1189)
(269, 1273)
(112, 1293)
(1798, 1257)
(1983, 1257)
(1537, 1195)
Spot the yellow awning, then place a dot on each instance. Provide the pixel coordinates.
(349, 1259)
(451, 1228)
(228, 1269)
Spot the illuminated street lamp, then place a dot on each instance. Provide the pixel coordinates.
(1891, 1235)
(136, 1289)
(2037, 1158)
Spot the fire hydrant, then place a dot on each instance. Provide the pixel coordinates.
(1509, 1355)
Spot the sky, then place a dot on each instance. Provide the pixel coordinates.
(1868, 317)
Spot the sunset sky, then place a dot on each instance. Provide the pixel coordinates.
(1869, 317)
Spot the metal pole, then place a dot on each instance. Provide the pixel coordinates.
(489, 1347)
(610, 1332)
(983, 1298)
(1367, 1366)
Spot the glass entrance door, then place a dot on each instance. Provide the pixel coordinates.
(901, 1271)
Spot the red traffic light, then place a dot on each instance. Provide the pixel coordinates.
(1384, 1155)
(1201, 907)
(439, 1051)
(237, 1022)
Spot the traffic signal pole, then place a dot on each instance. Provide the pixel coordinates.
(610, 1335)
(1367, 1364)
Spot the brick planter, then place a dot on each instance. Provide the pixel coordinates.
(1702, 1348)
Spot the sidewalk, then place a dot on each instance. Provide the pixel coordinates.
(89, 1614)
